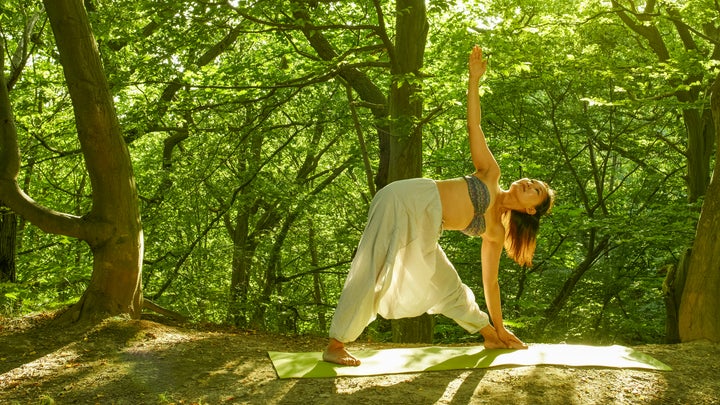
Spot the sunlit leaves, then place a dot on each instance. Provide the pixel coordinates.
(571, 97)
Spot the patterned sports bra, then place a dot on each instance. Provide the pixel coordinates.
(480, 197)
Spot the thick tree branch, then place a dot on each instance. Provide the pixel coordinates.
(48, 220)
(9, 151)
(649, 32)
(24, 48)
(382, 32)
(358, 80)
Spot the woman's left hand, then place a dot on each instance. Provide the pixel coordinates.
(476, 63)
(510, 340)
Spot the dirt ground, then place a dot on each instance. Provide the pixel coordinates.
(147, 362)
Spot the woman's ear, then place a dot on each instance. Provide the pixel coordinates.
(531, 210)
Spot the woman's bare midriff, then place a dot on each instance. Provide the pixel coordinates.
(457, 209)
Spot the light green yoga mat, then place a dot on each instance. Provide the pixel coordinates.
(419, 359)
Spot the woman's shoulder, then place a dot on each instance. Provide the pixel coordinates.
(491, 178)
(450, 180)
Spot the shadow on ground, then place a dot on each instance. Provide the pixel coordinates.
(145, 362)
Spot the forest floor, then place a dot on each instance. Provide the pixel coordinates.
(147, 362)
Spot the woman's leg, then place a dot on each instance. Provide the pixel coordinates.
(366, 281)
(390, 271)
(455, 299)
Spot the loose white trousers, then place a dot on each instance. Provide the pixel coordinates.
(399, 269)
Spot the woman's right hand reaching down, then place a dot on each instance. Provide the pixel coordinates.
(501, 339)
(509, 339)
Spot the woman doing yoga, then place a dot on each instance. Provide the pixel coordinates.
(401, 271)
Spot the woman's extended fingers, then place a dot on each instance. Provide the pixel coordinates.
(477, 64)
(477, 51)
(511, 341)
(516, 344)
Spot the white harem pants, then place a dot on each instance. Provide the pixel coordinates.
(399, 269)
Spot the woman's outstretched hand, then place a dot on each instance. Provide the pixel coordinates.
(477, 64)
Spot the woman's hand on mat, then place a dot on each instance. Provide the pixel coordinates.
(492, 341)
(510, 340)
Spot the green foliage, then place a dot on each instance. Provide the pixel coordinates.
(236, 125)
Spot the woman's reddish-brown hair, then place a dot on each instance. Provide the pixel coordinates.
(521, 230)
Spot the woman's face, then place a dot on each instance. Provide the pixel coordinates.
(530, 193)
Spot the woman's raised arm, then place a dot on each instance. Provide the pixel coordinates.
(482, 157)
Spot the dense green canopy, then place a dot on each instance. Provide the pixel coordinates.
(256, 134)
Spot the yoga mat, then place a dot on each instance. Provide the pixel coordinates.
(433, 358)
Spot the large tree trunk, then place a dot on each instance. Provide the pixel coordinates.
(699, 317)
(117, 255)
(405, 132)
(112, 227)
(406, 92)
(699, 149)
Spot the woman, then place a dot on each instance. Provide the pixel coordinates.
(399, 269)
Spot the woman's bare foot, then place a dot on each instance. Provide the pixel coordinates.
(335, 353)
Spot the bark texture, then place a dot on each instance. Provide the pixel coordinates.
(699, 317)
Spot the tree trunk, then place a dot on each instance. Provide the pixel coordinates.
(405, 133)
(240, 279)
(672, 295)
(406, 91)
(117, 249)
(112, 227)
(699, 149)
(413, 330)
(699, 317)
(8, 232)
(317, 282)
(244, 248)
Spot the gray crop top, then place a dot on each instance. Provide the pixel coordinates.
(480, 197)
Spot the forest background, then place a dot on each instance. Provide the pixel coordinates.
(258, 132)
